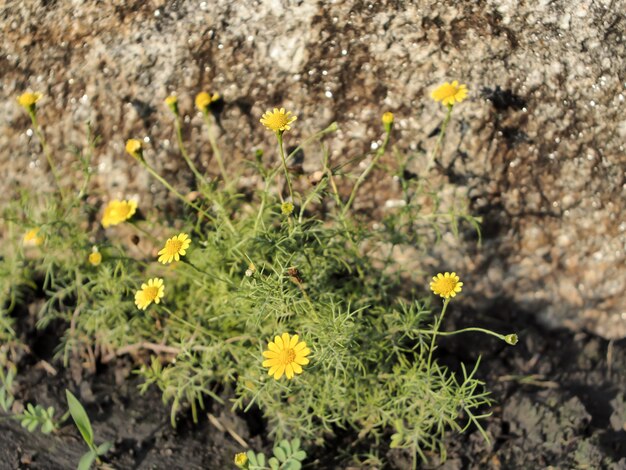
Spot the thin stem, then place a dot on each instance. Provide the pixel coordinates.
(183, 152)
(46, 150)
(364, 175)
(442, 133)
(279, 136)
(164, 182)
(464, 330)
(204, 273)
(434, 335)
(214, 147)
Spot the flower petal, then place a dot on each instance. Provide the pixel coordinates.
(279, 372)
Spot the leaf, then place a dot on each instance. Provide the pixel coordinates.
(261, 459)
(80, 418)
(86, 460)
(299, 455)
(274, 465)
(286, 446)
(396, 440)
(292, 465)
(31, 425)
(295, 445)
(252, 458)
(47, 427)
(280, 454)
(103, 448)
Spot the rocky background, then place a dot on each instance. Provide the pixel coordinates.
(538, 147)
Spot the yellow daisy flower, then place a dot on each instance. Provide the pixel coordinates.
(28, 100)
(32, 238)
(285, 355)
(134, 148)
(278, 120)
(153, 291)
(241, 459)
(450, 93)
(175, 247)
(95, 257)
(117, 212)
(204, 100)
(446, 285)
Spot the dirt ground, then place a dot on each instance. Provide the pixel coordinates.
(559, 403)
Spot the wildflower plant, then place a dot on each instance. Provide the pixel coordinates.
(292, 303)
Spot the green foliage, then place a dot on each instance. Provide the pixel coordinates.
(6, 388)
(79, 415)
(254, 270)
(287, 456)
(36, 415)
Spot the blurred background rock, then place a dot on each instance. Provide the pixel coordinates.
(538, 147)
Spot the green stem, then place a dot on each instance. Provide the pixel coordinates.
(46, 151)
(91, 143)
(435, 332)
(331, 128)
(464, 330)
(214, 147)
(442, 133)
(204, 273)
(164, 182)
(183, 152)
(279, 136)
(364, 175)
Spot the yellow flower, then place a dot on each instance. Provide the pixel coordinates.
(117, 212)
(134, 147)
(204, 100)
(387, 118)
(286, 208)
(32, 238)
(153, 291)
(172, 103)
(175, 247)
(28, 100)
(446, 285)
(241, 459)
(95, 257)
(285, 355)
(278, 120)
(450, 93)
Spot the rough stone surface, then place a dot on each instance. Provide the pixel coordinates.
(539, 146)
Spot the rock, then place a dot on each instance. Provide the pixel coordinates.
(539, 147)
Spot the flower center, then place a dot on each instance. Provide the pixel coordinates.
(173, 246)
(277, 120)
(449, 90)
(287, 356)
(150, 293)
(446, 285)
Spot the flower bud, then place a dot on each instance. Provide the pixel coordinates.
(511, 339)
